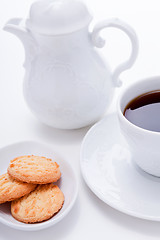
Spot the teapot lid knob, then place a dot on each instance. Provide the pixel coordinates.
(55, 17)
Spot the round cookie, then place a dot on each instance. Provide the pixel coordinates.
(10, 189)
(34, 169)
(39, 205)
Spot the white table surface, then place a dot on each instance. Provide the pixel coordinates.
(90, 218)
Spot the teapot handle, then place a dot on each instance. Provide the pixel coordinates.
(99, 42)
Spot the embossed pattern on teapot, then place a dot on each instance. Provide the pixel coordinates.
(67, 84)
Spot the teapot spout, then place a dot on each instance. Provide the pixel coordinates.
(17, 27)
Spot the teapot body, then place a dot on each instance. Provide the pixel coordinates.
(67, 84)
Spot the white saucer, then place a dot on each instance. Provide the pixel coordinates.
(68, 182)
(109, 171)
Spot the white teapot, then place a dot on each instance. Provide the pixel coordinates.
(67, 85)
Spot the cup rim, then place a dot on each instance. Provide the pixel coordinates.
(120, 113)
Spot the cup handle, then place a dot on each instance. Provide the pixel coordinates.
(100, 42)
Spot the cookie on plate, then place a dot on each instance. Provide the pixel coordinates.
(39, 205)
(10, 189)
(34, 169)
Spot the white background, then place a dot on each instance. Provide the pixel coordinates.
(90, 218)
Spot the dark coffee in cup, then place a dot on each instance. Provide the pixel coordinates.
(144, 111)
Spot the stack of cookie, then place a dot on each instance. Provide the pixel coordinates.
(29, 185)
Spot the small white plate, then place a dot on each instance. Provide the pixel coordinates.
(67, 183)
(109, 171)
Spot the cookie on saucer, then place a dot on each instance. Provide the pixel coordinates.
(34, 169)
(39, 205)
(10, 189)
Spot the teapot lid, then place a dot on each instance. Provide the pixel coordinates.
(54, 17)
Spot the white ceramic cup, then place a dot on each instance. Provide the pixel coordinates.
(144, 144)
